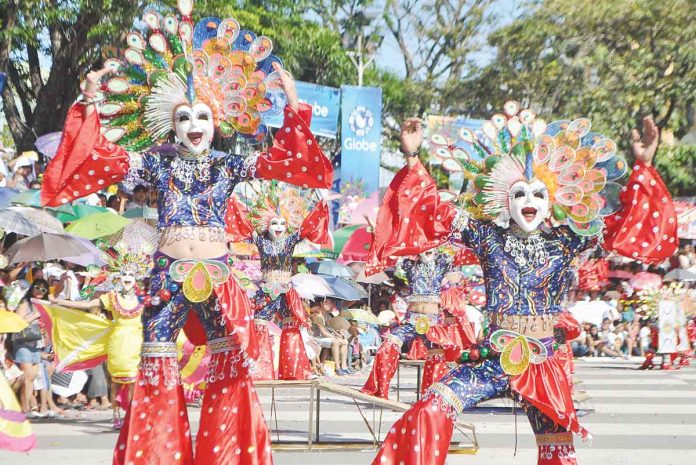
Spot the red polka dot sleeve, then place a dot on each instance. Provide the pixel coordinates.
(85, 162)
(295, 157)
(239, 228)
(411, 219)
(315, 227)
(645, 228)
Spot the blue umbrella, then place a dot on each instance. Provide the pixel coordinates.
(28, 198)
(344, 289)
(6, 195)
(331, 268)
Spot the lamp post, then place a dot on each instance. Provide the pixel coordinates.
(364, 54)
(361, 60)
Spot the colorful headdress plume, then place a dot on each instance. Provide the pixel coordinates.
(276, 200)
(579, 167)
(172, 63)
(122, 259)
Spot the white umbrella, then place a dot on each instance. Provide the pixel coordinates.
(311, 286)
(44, 221)
(681, 274)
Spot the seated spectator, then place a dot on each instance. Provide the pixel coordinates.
(579, 345)
(328, 338)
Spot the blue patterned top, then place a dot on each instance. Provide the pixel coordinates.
(189, 192)
(514, 287)
(425, 279)
(276, 255)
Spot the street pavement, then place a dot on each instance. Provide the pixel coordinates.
(636, 417)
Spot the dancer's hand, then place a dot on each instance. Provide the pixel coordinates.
(644, 148)
(93, 77)
(411, 138)
(288, 86)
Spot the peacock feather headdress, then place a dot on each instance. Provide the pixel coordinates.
(122, 259)
(172, 63)
(275, 200)
(579, 167)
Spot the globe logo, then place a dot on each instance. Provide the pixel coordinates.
(361, 121)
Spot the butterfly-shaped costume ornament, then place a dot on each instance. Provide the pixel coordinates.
(527, 274)
(228, 72)
(277, 296)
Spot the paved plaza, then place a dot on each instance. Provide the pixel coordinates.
(636, 417)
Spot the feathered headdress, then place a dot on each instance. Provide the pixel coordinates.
(172, 63)
(121, 259)
(276, 200)
(579, 167)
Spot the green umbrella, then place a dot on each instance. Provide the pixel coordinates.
(340, 237)
(98, 225)
(70, 213)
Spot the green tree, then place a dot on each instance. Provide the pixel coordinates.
(677, 166)
(614, 61)
(71, 36)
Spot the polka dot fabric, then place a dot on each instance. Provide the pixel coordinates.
(645, 228)
(85, 162)
(232, 430)
(156, 424)
(296, 157)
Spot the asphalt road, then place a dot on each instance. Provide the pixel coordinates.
(636, 417)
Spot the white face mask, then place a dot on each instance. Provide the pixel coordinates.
(277, 227)
(529, 204)
(127, 281)
(194, 127)
(427, 256)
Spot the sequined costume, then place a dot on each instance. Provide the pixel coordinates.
(425, 283)
(174, 64)
(276, 296)
(527, 274)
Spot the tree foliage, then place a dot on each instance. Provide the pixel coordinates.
(614, 61)
(71, 36)
(677, 166)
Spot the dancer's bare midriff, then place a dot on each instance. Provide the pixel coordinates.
(197, 242)
(536, 326)
(429, 308)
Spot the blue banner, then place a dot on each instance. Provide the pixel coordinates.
(3, 78)
(361, 136)
(325, 103)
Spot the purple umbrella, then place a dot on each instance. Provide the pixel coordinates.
(48, 143)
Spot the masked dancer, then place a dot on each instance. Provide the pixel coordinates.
(424, 320)
(178, 87)
(119, 340)
(539, 195)
(276, 223)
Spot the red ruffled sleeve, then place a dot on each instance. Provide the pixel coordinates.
(238, 226)
(296, 157)
(315, 227)
(645, 228)
(412, 219)
(85, 162)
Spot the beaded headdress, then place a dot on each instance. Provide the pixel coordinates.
(276, 200)
(172, 63)
(122, 259)
(579, 167)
